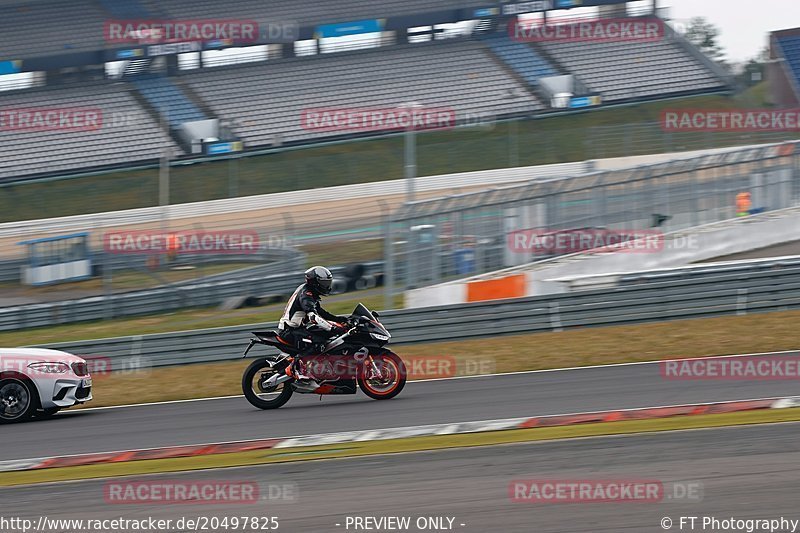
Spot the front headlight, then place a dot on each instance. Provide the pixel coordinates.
(379, 336)
(49, 368)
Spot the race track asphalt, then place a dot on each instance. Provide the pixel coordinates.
(431, 402)
(745, 472)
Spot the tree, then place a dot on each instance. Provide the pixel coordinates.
(704, 35)
(754, 70)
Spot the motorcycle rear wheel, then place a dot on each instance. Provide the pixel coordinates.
(256, 373)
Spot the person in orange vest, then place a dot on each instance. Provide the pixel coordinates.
(172, 246)
(743, 204)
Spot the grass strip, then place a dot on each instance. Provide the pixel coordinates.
(574, 347)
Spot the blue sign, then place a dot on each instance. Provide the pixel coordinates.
(350, 28)
(10, 67)
(128, 54)
(577, 102)
(219, 43)
(487, 12)
(224, 148)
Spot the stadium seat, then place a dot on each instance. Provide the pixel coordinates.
(35, 29)
(627, 70)
(267, 100)
(520, 56)
(128, 133)
(169, 100)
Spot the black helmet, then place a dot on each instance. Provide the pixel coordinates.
(319, 279)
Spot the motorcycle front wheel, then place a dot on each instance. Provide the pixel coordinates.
(391, 380)
(260, 395)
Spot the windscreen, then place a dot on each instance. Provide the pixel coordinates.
(361, 310)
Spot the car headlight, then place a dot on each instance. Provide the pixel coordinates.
(380, 337)
(49, 368)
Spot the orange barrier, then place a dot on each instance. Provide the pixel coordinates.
(743, 202)
(494, 289)
(786, 149)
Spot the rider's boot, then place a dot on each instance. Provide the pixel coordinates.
(297, 370)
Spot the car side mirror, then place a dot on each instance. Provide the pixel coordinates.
(375, 314)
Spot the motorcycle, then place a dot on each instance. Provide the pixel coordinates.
(353, 359)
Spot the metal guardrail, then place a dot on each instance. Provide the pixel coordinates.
(726, 294)
(695, 272)
(743, 269)
(200, 293)
(294, 262)
(10, 270)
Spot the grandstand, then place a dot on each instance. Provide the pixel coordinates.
(267, 101)
(630, 70)
(257, 105)
(127, 134)
(36, 29)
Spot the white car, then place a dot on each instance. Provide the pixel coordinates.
(39, 382)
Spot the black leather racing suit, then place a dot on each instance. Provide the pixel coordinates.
(295, 323)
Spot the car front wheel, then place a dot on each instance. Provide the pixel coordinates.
(17, 400)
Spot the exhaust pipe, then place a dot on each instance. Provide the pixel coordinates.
(276, 380)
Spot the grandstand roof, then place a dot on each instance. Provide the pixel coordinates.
(789, 48)
(35, 28)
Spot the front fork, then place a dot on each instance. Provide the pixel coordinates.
(376, 372)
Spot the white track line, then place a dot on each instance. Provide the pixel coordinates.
(395, 428)
(500, 374)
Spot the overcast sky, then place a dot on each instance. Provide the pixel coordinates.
(744, 24)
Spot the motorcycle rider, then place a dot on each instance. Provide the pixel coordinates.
(304, 323)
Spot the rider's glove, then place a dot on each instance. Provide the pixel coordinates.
(317, 320)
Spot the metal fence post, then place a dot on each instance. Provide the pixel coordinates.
(555, 317)
(288, 229)
(107, 287)
(233, 177)
(693, 179)
(741, 301)
(388, 262)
